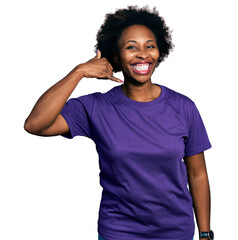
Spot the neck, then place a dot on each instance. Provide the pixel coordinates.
(143, 92)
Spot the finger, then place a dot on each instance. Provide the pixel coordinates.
(107, 63)
(115, 79)
(98, 56)
(110, 66)
(111, 77)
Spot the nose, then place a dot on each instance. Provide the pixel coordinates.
(142, 53)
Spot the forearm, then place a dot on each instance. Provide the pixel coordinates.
(200, 191)
(49, 105)
(47, 108)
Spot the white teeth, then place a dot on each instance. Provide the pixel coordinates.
(141, 67)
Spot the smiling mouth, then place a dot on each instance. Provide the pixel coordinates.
(141, 68)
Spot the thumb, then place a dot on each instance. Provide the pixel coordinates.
(98, 56)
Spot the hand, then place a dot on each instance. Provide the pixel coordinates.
(98, 67)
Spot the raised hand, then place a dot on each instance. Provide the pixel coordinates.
(45, 118)
(99, 68)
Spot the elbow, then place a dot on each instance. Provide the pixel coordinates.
(30, 127)
(27, 126)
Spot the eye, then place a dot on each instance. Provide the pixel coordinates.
(150, 46)
(131, 47)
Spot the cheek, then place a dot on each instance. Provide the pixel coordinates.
(156, 55)
(125, 58)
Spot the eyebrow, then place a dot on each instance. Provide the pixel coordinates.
(136, 41)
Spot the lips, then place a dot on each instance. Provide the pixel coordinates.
(141, 68)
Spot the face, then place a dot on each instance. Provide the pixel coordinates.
(138, 53)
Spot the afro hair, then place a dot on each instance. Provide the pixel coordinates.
(114, 23)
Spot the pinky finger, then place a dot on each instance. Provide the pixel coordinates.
(115, 79)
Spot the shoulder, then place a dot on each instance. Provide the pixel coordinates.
(97, 97)
(102, 97)
(86, 99)
(173, 95)
(178, 101)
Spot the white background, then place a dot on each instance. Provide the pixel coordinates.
(49, 187)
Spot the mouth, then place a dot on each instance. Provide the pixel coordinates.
(141, 68)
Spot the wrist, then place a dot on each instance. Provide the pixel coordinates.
(73, 77)
(204, 235)
(80, 70)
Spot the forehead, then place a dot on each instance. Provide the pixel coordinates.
(136, 32)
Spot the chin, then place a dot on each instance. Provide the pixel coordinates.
(138, 80)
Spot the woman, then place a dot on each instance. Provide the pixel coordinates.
(150, 139)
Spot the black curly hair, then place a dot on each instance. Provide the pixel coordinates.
(114, 23)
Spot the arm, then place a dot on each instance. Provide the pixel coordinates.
(200, 190)
(45, 118)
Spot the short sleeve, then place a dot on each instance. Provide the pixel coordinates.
(77, 113)
(197, 140)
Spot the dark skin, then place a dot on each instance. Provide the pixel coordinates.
(136, 45)
(200, 190)
(45, 118)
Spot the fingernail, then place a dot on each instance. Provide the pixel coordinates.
(97, 51)
(121, 81)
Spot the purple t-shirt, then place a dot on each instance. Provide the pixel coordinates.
(141, 146)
